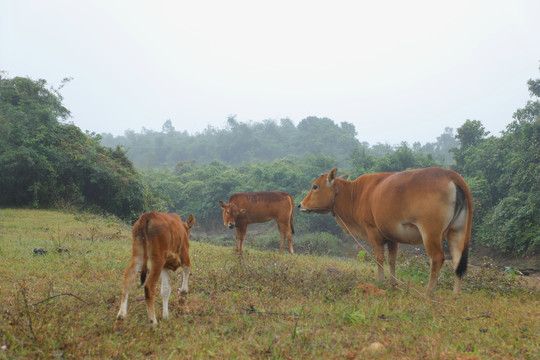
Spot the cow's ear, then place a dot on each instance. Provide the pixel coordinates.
(332, 176)
(223, 205)
(190, 221)
(344, 176)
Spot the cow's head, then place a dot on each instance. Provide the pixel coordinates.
(230, 213)
(320, 198)
(189, 223)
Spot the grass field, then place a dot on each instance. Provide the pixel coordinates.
(62, 304)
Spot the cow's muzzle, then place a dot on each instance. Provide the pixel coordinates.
(315, 210)
(231, 225)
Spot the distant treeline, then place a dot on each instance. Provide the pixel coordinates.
(47, 162)
(252, 142)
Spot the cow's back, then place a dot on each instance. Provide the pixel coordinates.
(263, 205)
(165, 232)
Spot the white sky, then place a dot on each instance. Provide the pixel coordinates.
(398, 70)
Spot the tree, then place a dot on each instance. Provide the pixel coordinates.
(504, 176)
(45, 161)
(471, 133)
(167, 127)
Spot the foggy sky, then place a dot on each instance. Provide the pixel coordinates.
(398, 70)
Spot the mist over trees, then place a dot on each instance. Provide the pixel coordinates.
(252, 142)
(47, 162)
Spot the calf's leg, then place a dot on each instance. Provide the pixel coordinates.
(150, 289)
(285, 232)
(185, 278)
(240, 235)
(129, 277)
(165, 292)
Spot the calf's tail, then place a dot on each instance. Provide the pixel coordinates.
(143, 231)
(291, 218)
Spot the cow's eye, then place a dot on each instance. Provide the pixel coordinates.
(228, 213)
(315, 187)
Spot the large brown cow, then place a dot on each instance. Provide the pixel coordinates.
(410, 207)
(164, 239)
(259, 207)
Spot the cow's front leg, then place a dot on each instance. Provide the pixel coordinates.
(377, 241)
(240, 235)
(392, 257)
(185, 278)
(379, 256)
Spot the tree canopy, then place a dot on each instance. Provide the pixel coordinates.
(45, 161)
(252, 142)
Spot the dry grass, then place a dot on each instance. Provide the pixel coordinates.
(260, 305)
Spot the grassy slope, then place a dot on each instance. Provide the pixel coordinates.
(260, 305)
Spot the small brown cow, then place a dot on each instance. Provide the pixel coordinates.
(164, 239)
(259, 207)
(410, 207)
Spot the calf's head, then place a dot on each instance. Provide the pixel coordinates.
(322, 194)
(230, 214)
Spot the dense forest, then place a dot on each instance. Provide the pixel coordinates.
(47, 162)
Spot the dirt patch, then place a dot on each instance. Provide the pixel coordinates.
(529, 265)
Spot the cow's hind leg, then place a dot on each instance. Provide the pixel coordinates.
(289, 240)
(377, 242)
(433, 244)
(281, 239)
(150, 290)
(129, 277)
(456, 239)
(165, 292)
(285, 233)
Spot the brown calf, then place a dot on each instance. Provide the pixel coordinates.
(259, 207)
(423, 206)
(164, 239)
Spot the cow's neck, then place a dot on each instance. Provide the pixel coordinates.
(343, 194)
(346, 195)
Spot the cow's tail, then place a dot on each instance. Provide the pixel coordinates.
(291, 216)
(464, 202)
(143, 231)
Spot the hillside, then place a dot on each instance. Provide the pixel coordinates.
(62, 304)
